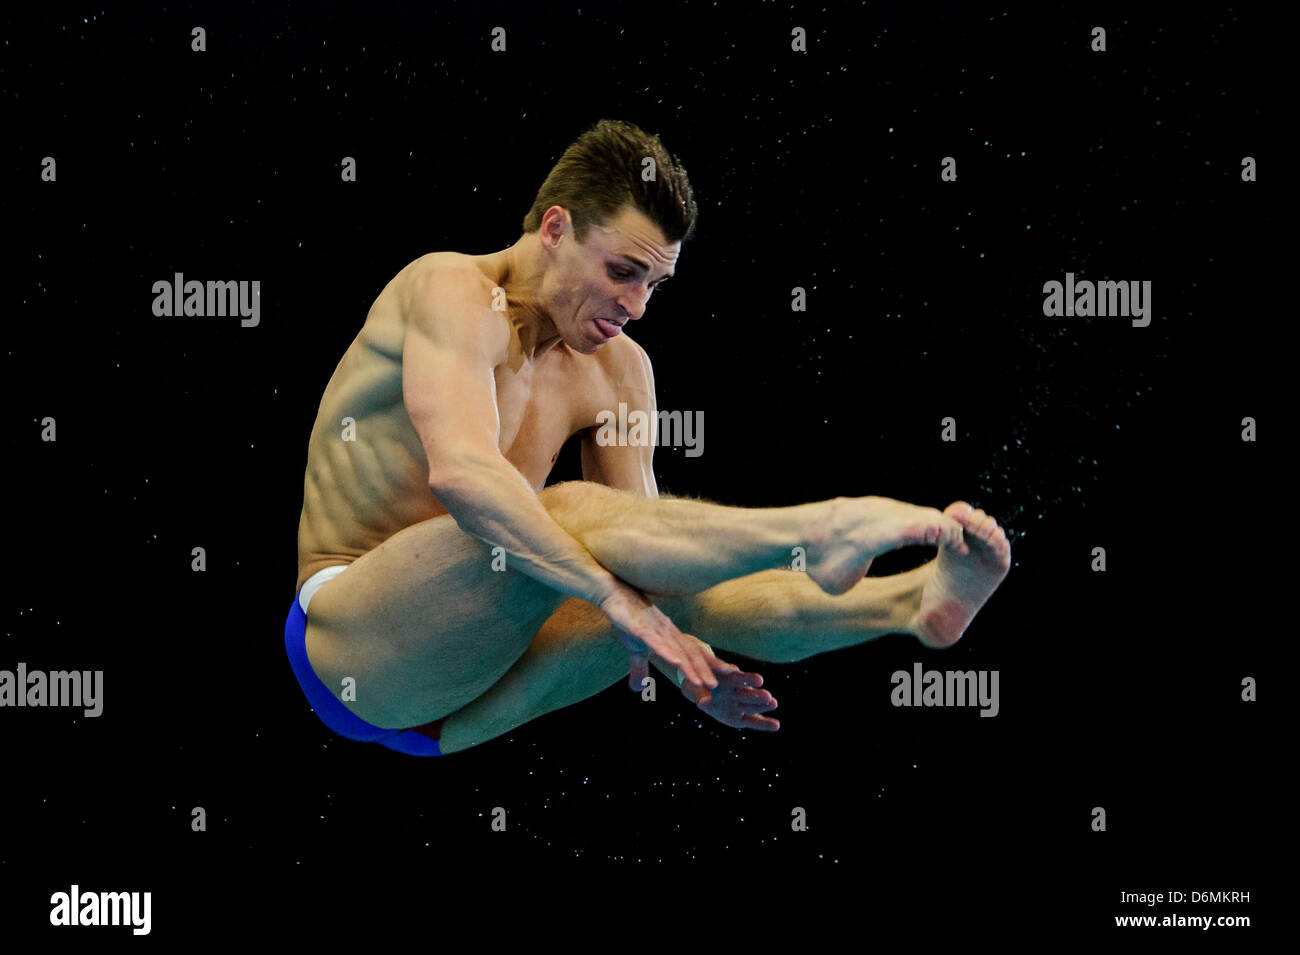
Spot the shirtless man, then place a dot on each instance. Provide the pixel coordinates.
(454, 597)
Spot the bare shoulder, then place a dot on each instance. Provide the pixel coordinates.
(633, 351)
(454, 269)
(626, 365)
(449, 292)
(448, 279)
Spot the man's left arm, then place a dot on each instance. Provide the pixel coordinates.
(737, 700)
(619, 464)
(625, 466)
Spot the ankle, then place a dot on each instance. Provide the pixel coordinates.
(822, 525)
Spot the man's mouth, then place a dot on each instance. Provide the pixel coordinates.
(610, 329)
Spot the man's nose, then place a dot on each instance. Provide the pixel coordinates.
(633, 304)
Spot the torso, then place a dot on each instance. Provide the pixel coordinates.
(358, 493)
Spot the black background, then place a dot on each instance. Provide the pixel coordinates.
(819, 169)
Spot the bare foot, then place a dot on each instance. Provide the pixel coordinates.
(857, 529)
(961, 583)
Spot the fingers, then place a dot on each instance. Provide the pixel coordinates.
(733, 675)
(746, 699)
(766, 723)
(675, 654)
(739, 677)
(749, 696)
(707, 660)
(652, 630)
(683, 651)
(706, 668)
(638, 670)
(701, 669)
(691, 672)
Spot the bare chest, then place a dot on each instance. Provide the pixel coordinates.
(539, 408)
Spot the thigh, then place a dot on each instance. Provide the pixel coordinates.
(423, 624)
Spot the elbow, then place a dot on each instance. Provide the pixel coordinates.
(448, 479)
(464, 488)
(453, 476)
(452, 489)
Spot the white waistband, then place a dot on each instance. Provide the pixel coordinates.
(316, 581)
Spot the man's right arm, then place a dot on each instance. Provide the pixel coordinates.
(453, 342)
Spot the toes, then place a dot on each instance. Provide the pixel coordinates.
(959, 511)
(977, 526)
(991, 535)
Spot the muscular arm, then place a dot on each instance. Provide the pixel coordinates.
(629, 468)
(732, 697)
(453, 341)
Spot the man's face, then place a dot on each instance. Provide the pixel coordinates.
(610, 278)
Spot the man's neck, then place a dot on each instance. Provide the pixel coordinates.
(519, 272)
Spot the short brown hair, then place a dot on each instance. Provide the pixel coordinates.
(600, 173)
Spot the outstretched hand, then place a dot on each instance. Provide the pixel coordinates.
(724, 691)
(644, 629)
(737, 700)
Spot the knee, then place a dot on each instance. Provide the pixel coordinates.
(579, 506)
(571, 492)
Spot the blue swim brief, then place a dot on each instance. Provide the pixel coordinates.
(415, 741)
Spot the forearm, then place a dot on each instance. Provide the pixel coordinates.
(490, 500)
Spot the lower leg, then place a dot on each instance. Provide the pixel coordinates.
(782, 616)
(786, 616)
(779, 616)
(775, 616)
